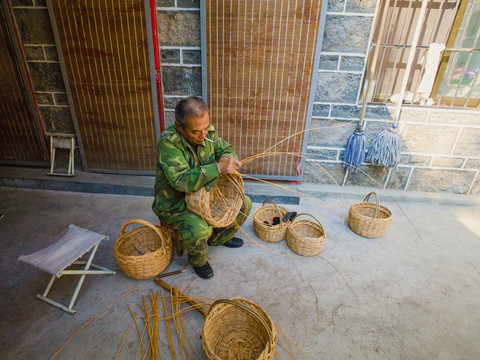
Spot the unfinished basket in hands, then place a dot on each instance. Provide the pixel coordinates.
(143, 252)
(219, 207)
(238, 329)
(269, 233)
(305, 237)
(368, 219)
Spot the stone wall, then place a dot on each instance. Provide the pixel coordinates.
(180, 52)
(441, 146)
(441, 150)
(36, 35)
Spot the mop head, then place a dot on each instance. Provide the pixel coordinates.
(355, 151)
(385, 148)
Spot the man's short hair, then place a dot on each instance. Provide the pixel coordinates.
(189, 107)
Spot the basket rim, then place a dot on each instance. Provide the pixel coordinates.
(163, 250)
(270, 344)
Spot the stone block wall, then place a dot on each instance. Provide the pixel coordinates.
(36, 35)
(441, 150)
(441, 146)
(38, 44)
(179, 37)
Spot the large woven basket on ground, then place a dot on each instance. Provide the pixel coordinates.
(305, 237)
(269, 233)
(219, 207)
(238, 329)
(368, 219)
(154, 242)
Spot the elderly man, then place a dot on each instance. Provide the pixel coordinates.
(191, 155)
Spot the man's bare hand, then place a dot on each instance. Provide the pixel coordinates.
(227, 165)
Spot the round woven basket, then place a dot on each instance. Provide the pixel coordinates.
(154, 242)
(368, 219)
(238, 329)
(219, 207)
(305, 237)
(269, 233)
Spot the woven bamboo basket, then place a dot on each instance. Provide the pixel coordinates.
(272, 233)
(238, 329)
(154, 242)
(305, 237)
(219, 207)
(368, 219)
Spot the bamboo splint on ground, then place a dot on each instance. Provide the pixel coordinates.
(178, 294)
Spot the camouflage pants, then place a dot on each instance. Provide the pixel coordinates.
(197, 234)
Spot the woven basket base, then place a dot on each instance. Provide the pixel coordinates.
(231, 333)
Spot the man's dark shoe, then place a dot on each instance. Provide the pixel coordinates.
(234, 243)
(204, 271)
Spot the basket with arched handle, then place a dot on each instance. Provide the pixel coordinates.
(144, 251)
(268, 232)
(368, 219)
(306, 237)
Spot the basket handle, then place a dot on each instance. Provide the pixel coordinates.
(377, 200)
(246, 308)
(146, 223)
(276, 207)
(238, 187)
(319, 223)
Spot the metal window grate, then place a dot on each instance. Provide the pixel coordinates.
(439, 75)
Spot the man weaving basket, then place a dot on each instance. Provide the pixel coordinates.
(191, 155)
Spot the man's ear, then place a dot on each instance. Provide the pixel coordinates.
(178, 126)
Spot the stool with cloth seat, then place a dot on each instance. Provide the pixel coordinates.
(55, 258)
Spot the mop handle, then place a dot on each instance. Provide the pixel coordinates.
(416, 36)
(374, 61)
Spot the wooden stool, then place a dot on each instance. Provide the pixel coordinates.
(62, 141)
(176, 239)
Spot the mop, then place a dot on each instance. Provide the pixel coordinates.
(355, 150)
(385, 148)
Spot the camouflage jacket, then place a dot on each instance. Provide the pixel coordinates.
(178, 173)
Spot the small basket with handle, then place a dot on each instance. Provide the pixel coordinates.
(144, 251)
(368, 219)
(306, 237)
(268, 232)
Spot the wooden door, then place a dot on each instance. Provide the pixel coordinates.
(260, 62)
(105, 52)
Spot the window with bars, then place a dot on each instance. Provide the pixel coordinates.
(446, 63)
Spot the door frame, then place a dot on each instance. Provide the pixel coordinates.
(6, 7)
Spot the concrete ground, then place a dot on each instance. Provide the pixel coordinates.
(414, 293)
